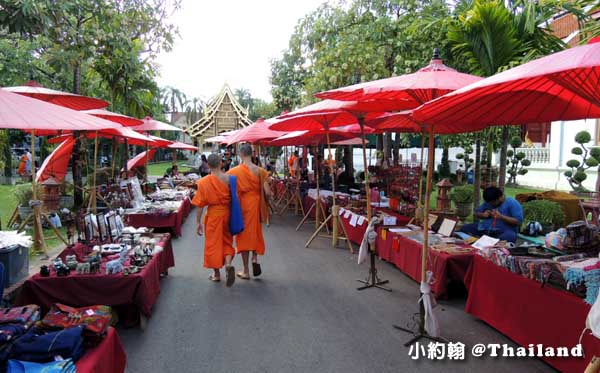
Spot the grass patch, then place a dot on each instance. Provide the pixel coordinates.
(158, 169)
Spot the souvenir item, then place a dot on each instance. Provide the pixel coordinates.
(61, 366)
(116, 265)
(36, 345)
(44, 271)
(83, 268)
(533, 229)
(95, 319)
(19, 315)
(71, 262)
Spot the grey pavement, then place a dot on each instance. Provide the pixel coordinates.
(303, 314)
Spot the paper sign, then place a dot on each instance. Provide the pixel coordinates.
(361, 220)
(342, 210)
(389, 220)
(347, 214)
(447, 227)
(353, 220)
(485, 242)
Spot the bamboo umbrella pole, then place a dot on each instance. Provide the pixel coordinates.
(38, 233)
(174, 157)
(427, 205)
(334, 208)
(419, 202)
(146, 173)
(114, 156)
(93, 195)
(318, 202)
(361, 122)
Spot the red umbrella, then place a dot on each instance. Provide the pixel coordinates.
(406, 91)
(182, 146)
(141, 159)
(150, 124)
(115, 117)
(134, 138)
(561, 86)
(222, 137)
(56, 164)
(326, 114)
(297, 138)
(65, 99)
(258, 132)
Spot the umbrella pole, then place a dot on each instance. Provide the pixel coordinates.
(93, 195)
(419, 212)
(146, 173)
(39, 241)
(114, 156)
(334, 208)
(174, 157)
(421, 332)
(372, 280)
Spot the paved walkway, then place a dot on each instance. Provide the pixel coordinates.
(303, 315)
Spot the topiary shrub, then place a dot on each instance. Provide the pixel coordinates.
(516, 161)
(589, 158)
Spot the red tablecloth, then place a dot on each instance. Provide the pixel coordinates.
(407, 257)
(133, 294)
(172, 220)
(355, 234)
(307, 202)
(108, 357)
(527, 313)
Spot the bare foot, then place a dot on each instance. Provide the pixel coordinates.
(243, 276)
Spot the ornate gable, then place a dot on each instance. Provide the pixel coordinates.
(223, 113)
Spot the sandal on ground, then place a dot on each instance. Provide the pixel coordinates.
(256, 270)
(230, 276)
(214, 279)
(243, 276)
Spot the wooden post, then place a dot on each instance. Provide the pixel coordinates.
(174, 157)
(334, 209)
(93, 193)
(114, 156)
(361, 122)
(427, 200)
(38, 234)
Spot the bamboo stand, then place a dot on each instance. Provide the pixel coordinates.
(39, 242)
(335, 212)
(421, 332)
(372, 280)
(317, 205)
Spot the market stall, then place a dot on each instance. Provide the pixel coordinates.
(160, 214)
(134, 294)
(108, 357)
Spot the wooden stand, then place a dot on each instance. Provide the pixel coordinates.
(317, 205)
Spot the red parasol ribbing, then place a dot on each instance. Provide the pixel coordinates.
(115, 117)
(182, 146)
(57, 163)
(25, 113)
(133, 137)
(64, 99)
(255, 133)
(561, 86)
(406, 91)
(150, 124)
(297, 138)
(140, 159)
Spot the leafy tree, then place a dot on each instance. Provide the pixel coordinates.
(590, 157)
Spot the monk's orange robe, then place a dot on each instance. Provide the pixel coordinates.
(218, 241)
(291, 165)
(249, 191)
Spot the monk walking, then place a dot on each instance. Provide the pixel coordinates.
(213, 191)
(253, 188)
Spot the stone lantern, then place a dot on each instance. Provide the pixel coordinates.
(443, 197)
(51, 194)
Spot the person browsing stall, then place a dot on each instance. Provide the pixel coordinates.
(252, 186)
(213, 193)
(499, 216)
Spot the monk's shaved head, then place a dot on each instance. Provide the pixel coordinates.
(214, 161)
(246, 150)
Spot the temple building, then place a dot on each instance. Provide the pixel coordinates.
(223, 113)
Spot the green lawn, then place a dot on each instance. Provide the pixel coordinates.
(158, 169)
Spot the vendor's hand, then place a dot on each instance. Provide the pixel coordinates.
(200, 229)
(496, 214)
(486, 214)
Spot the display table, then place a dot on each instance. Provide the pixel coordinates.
(108, 357)
(405, 254)
(133, 295)
(173, 220)
(527, 313)
(357, 231)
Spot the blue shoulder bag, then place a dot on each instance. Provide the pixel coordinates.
(236, 219)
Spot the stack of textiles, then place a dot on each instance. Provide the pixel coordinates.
(15, 321)
(95, 321)
(584, 272)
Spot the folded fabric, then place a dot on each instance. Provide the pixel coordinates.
(20, 315)
(38, 346)
(9, 332)
(95, 319)
(63, 366)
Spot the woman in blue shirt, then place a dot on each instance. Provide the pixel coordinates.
(499, 217)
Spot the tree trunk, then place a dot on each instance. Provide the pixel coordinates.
(379, 144)
(387, 146)
(503, 150)
(348, 157)
(445, 164)
(477, 176)
(396, 152)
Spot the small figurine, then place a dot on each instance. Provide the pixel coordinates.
(44, 271)
(116, 265)
(71, 262)
(83, 268)
(94, 262)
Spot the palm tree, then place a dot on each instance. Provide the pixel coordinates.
(173, 100)
(491, 37)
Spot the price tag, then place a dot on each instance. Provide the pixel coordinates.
(89, 312)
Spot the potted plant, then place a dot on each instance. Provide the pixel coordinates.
(548, 213)
(462, 196)
(24, 194)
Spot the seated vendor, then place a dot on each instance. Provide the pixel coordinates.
(499, 216)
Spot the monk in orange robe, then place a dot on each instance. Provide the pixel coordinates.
(213, 191)
(253, 189)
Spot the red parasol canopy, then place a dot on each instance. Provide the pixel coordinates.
(561, 86)
(182, 146)
(57, 163)
(123, 120)
(257, 132)
(326, 114)
(406, 91)
(26, 113)
(135, 138)
(65, 99)
(140, 159)
(297, 138)
(150, 124)
(222, 137)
